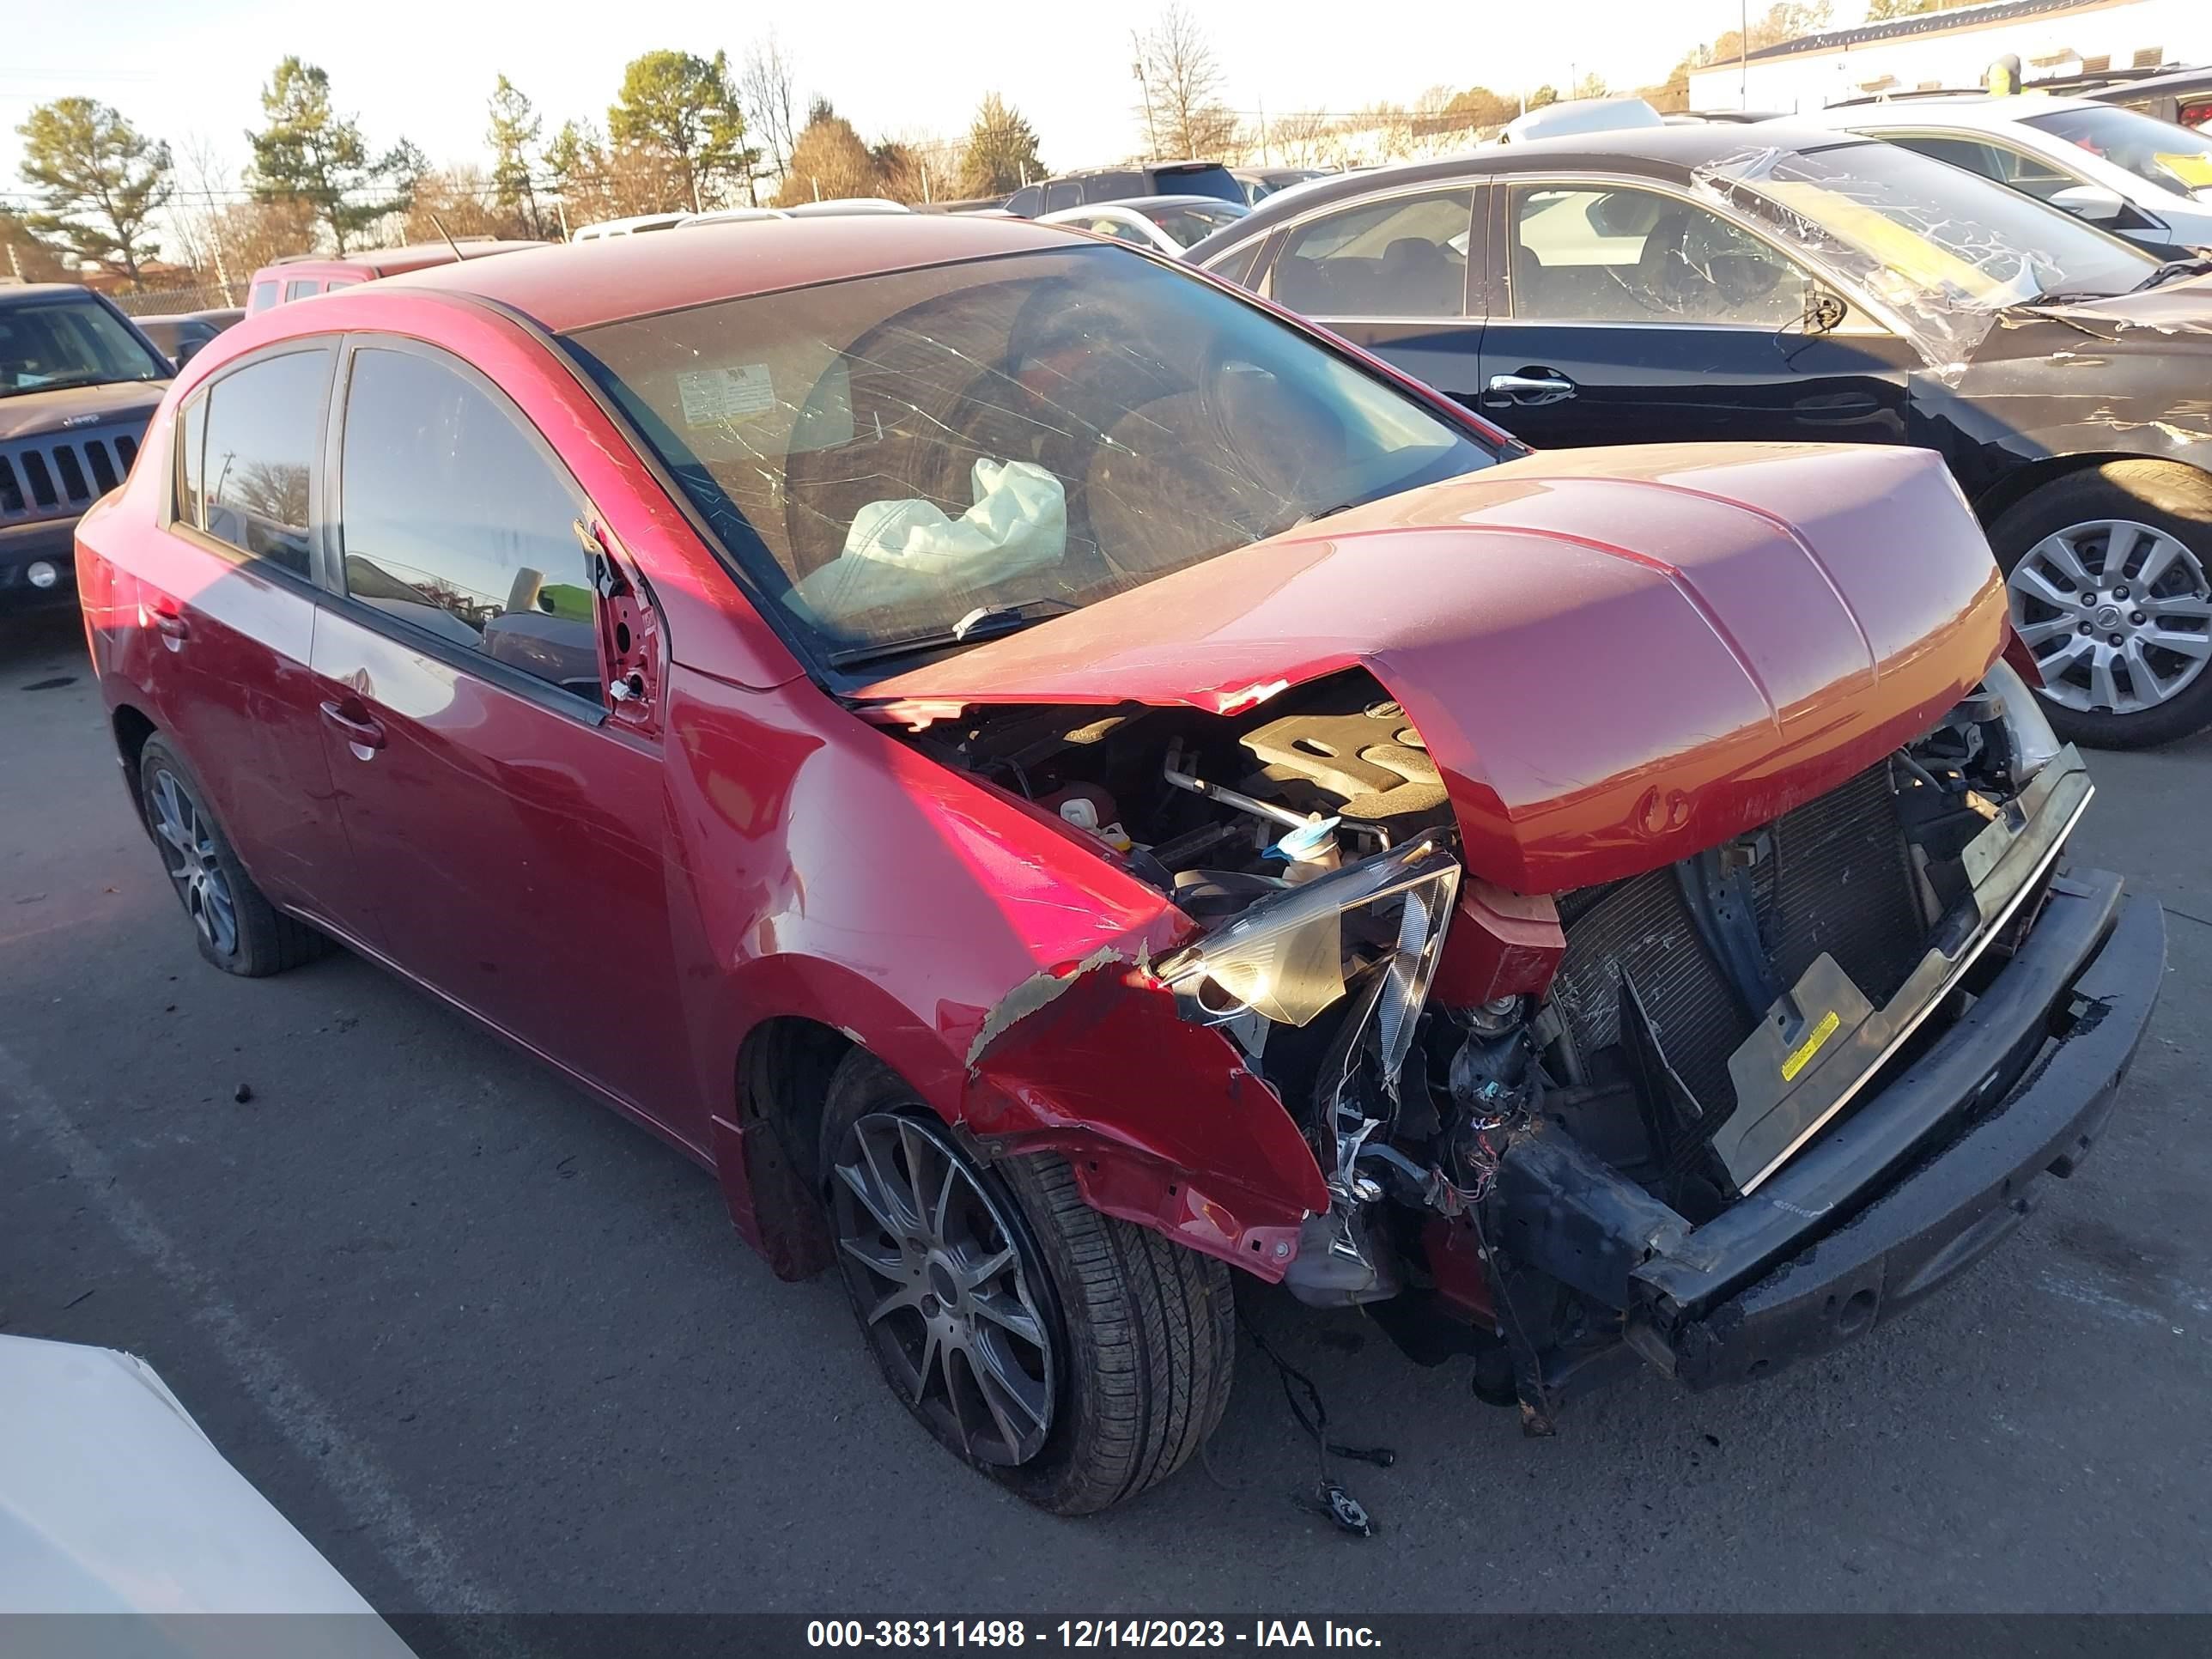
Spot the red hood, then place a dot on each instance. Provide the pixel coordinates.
(1617, 657)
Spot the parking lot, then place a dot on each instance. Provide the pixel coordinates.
(490, 1349)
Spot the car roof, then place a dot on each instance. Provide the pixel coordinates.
(381, 261)
(21, 291)
(2189, 79)
(1139, 203)
(1966, 109)
(583, 284)
(1661, 152)
(606, 225)
(1137, 167)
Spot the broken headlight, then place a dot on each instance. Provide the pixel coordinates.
(2028, 731)
(1291, 955)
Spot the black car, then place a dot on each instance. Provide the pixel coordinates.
(77, 383)
(179, 334)
(1688, 282)
(1095, 185)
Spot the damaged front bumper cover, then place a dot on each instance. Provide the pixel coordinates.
(1921, 1182)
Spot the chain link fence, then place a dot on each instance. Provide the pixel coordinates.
(205, 296)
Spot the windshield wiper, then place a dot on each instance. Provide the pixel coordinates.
(2195, 266)
(2066, 296)
(985, 622)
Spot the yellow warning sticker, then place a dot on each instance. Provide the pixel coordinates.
(2193, 170)
(1811, 1046)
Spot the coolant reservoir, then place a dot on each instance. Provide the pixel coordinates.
(1310, 851)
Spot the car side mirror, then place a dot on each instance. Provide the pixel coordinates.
(2094, 202)
(187, 350)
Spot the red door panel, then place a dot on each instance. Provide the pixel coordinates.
(515, 852)
(226, 659)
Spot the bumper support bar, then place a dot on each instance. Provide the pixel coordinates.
(1866, 1221)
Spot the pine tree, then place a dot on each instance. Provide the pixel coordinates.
(100, 182)
(515, 126)
(685, 108)
(1002, 150)
(309, 153)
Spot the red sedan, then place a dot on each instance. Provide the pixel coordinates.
(1054, 781)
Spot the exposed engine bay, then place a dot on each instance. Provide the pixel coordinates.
(1682, 1033)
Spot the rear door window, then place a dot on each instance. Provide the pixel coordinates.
(2005, 163)
(300, 290)
(248, 452)
(454, 519)
(1405, 256)
(1113, 187)
(1201, 179)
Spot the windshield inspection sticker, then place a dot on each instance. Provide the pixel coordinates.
(712, 396)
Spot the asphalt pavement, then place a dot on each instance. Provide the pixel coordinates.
(492, 1349)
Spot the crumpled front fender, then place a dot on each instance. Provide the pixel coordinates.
(1160, 1119)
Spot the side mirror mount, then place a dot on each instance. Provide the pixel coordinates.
(2094, 202)
(1824, 311)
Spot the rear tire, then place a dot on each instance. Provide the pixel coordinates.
(238, 930)
(1140, 1332)
(2053, 546)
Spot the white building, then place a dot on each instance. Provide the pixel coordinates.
(1955, 49)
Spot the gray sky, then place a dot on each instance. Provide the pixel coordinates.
(423, 67)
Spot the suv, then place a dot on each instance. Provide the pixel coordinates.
(301, 275)
(1121, 184)
(77, 382)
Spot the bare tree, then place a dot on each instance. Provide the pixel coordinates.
(1388, 129)
(203, 230)
(770, 92)
(1182, 87)
(460, 201)
(1439, 119)
(1300, 138)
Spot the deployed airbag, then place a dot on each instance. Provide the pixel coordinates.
(902, 550)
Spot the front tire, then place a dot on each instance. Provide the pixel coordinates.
(1075, 1358)
(238, 930)
(2106, 573)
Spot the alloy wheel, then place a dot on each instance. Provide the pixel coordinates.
(2118, 614)
(941, 1273)
(189, 854)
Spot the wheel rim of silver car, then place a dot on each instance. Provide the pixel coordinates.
(936, 1264)
(193, 863)
(2117, 613)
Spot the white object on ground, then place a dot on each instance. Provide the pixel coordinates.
(112, 1500)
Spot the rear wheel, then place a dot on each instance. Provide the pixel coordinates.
(237, 928)
(1075, 1358)
(2106, 571)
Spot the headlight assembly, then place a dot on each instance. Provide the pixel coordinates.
(1290, 957)
(2035, 745)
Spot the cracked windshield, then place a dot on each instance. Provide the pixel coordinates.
(1936, 244)
(1021, 435)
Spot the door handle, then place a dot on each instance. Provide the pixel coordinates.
(172, 627)
(362, 732)
(1537, 388)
